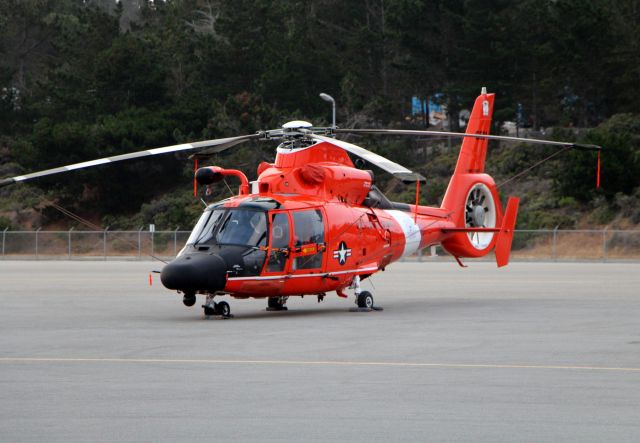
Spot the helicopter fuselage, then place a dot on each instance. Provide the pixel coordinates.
(312, 223)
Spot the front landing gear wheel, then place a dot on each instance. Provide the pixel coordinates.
(189, 299)
(209, 311)
(223, 309)
(365, 300)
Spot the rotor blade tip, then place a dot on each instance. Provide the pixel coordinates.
(408, 178)
(586, 147)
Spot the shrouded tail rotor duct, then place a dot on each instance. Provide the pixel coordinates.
(480, 212)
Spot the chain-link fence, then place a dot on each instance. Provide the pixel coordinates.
(568, 245)
(103, 245)
(543, 244)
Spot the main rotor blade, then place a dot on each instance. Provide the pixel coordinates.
(581, 146)
(397, 170)
(220, 145)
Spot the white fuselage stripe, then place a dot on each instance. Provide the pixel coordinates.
(287, 276)
(412, 235)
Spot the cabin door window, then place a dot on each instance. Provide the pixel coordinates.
(308, 239)
(279, 244)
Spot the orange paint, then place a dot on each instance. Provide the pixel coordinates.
(195, 183)
(598, 172)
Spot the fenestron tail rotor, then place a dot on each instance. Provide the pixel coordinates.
(480, 212)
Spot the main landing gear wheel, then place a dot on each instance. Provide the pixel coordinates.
(365, 300)
(189, 299)
(277, 304)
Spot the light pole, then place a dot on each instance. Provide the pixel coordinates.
(328, 98)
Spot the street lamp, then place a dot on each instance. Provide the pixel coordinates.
(328, 98)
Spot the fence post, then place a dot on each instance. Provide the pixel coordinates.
(4, 234)
(104, 242)
(554, 248)
(37, 232)
(604, 244)
(175, 241)
(140, 243)
(70, 242)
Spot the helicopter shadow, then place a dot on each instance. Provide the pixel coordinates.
(276, 315)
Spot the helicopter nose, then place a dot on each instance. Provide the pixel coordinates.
(195, 272)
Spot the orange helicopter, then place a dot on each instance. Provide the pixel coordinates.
(313, 223)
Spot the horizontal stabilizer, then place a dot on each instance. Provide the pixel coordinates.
(471, 229)
(505, 236)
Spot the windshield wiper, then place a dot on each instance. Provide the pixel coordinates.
(205, 230)
(224, 225)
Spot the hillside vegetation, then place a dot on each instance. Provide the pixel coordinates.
(86, 79)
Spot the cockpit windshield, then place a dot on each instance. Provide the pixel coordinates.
(235, 226)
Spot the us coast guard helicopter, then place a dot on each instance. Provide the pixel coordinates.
(312, 223)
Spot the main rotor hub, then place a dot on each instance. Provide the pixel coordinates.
(295, 124)
(296, 135)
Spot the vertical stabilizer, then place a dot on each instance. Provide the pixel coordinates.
(505, 236)
(472, 154)
(474, 150)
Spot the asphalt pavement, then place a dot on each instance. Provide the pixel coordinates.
(89, 351)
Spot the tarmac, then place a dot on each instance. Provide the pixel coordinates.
(535, 352)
